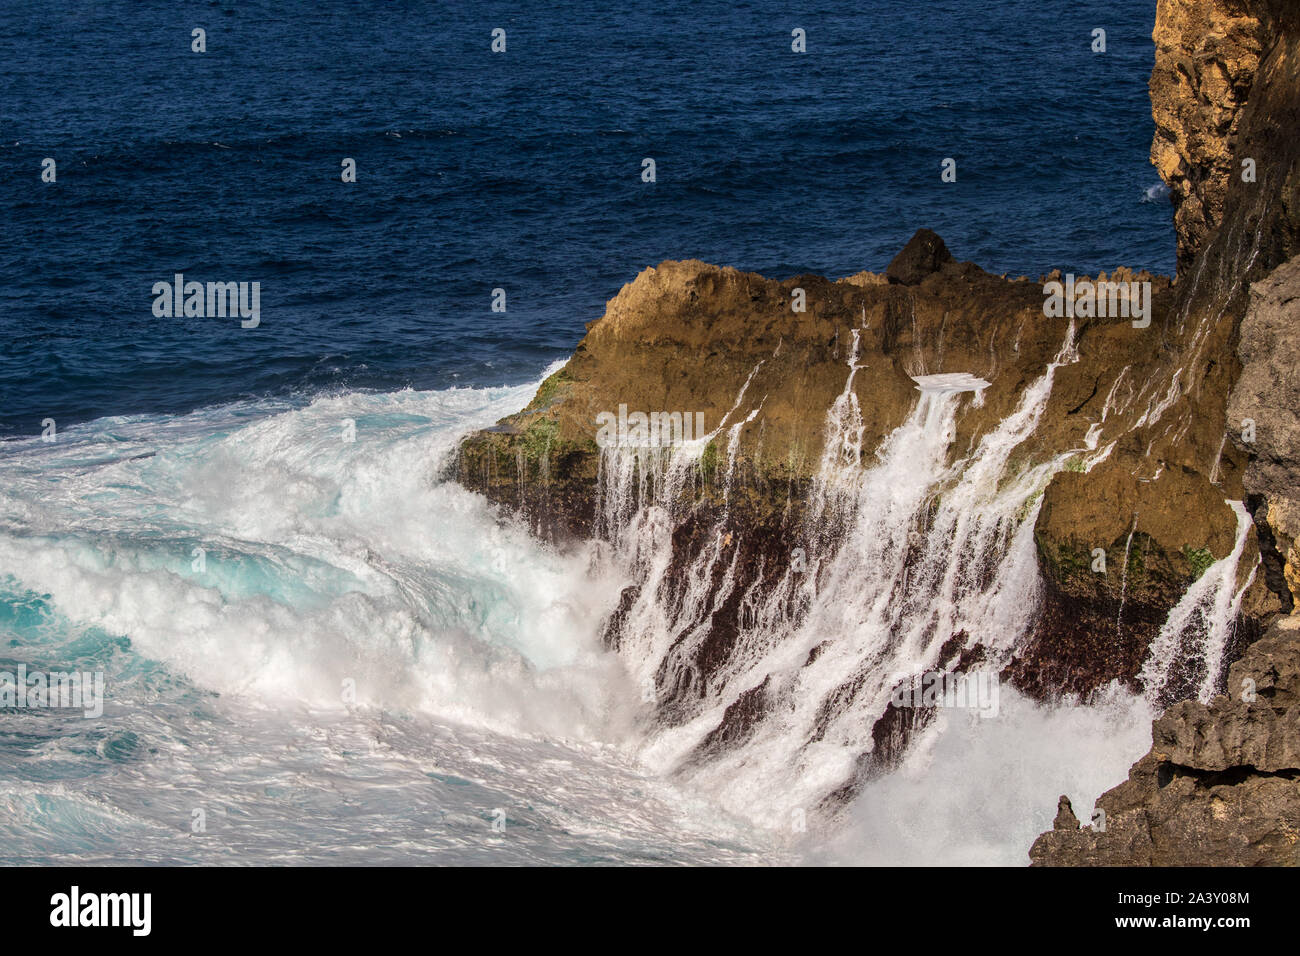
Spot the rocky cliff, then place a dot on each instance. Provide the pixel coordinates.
(1219, 785)
(1207, 55)
(1100, 444)
(1264, 417)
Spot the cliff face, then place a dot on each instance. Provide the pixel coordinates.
(687, 336)
(1219, 785)
(1264, 415)
(1207, 55)
(803, 384)
(1224, 89)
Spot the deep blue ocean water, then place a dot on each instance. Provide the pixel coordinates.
(519, 170)
(306, 640)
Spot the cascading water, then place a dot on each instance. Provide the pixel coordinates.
(328, 655)
(918, 546)
(1199, 626)
(479, 681)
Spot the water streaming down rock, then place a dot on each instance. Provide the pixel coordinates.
(1187, 657)
(779, 578)
(1123, 580)
(902, 564)
(775, 582)
(640, 502)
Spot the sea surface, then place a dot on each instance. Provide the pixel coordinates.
(204, 529)
(519, 171)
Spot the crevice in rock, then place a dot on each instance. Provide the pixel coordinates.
(1273, 561)
(1167, 773)
(1090, 397)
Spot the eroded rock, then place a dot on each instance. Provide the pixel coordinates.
(1207, 56)
(1134, 423)
(1221, 784)
(1264, 411)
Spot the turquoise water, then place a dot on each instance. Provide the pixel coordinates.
(477, 685)
(314, 649)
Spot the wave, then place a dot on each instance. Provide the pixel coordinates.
(1157, 193)
(314, 639)
(276, 556)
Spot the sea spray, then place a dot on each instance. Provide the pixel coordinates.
(904, 552)
(471, 650)
(972, 792)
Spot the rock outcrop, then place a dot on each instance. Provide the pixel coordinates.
(1221, 784)
(1207, 55)
(923, 256)
(1065, 818)
(690, 337)
(1135, 458)
(1264, 418)
(1225, 88)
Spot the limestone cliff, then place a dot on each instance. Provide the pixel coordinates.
(1220, 784)
(1127, 454)
(1207, 55)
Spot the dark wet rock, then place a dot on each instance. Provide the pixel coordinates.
(923, 256)
(1098, 618)
(1221, 784)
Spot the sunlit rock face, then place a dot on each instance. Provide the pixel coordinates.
(1218, 786)
(933, 468)
(1207, 55)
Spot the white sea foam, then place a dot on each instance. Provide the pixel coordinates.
(480, 682)
(975, 792)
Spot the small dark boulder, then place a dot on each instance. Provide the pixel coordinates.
(924, 255)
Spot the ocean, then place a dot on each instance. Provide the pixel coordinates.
(317, 650)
